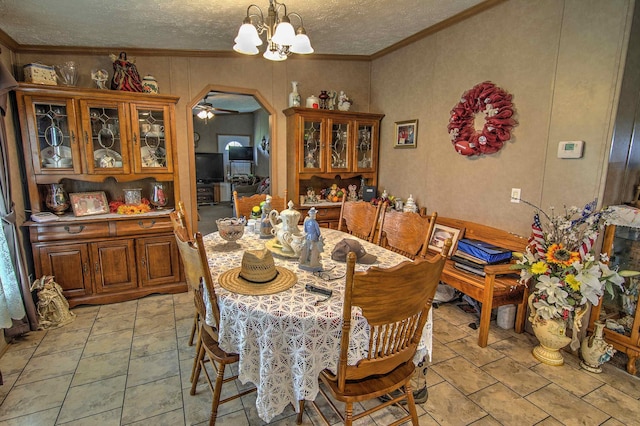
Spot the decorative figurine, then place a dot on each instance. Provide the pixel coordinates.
(344, 102)
(125, 74)
(313, 244)
(100, 77)
(311, 196)
(353, 195)
(265, 222)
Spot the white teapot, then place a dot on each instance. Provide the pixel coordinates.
(283, 223)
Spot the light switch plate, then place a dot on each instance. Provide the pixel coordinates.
(570, 149)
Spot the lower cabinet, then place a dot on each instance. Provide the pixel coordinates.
(109, 269)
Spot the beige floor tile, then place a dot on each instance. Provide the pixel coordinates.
(183, 327)
(41, 418)
(98, 344)
(28, 399)
(156, 309)
(448, 406)
(118, 309)
(184, 310)
(8, 382)
(463, 375)
(154, 324)
(13, 362)
(445, 332)
(566, 407)
(515, 376)
(198, 406)
(29, 340)
(621, 380)
(613, 422)
(83, 319)
(172, 418)
(451, 313)
(615, 403)
(506, 406)
(182, 298)
(148, 344)
(101, 367)
(237, 418)
(112, 323)
(151, 399)
(49, 366)
(518, 350)
(107, 418)
(441, 352)
(186, 351)
(575, 380)
(473, 353)
(486, 421)
(93, 398)
(62, 342)
(153, 367)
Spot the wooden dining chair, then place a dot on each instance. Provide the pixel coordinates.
(359, 218)
(179, 220)
(198, 277)
(395, 302)
(406, 233)
(243, 205)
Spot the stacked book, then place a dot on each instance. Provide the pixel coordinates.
(473, 255)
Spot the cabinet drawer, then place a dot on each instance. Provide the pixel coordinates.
(68, 231)
(144, 225)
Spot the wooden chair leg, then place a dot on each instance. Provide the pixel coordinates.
(216, 394)
(194, 327)
(300, 411)
(196, 360)
(198, 369)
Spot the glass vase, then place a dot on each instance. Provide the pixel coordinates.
(158, 195)
(57, 200)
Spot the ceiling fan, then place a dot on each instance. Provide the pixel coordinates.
(205, 108)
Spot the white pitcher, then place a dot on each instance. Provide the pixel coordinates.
(285, 222)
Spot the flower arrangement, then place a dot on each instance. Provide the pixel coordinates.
(564, 273)
(120, 207)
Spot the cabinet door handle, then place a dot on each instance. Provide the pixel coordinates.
(73, 137)
(144, 262)
(135, 138)
(85, 269)
(141, 224)
(97, 268)
(86, 138)
(68, 229)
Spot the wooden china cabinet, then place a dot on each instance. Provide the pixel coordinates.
(326, 147)
(620, 312)
(92, 141)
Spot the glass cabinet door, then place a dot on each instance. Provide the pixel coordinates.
(365, 149)
(339, 148)
(103, 129)
(151, 139)
(312, 146)
(55, 129)
(620, 311)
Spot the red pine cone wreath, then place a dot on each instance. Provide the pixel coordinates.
(496, 105)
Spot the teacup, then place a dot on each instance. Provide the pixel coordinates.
(157, 129)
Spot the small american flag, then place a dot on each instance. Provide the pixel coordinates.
(537, 237)
(585, 246)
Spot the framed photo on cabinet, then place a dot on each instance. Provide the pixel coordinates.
(440, 234)
(406, 134)
(89, 203)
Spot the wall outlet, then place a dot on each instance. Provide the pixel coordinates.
(515, 195)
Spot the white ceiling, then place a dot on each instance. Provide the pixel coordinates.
(340, 27)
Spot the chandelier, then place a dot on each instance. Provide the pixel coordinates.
(282, 38)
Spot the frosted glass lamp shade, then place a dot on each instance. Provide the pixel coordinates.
(301, 45)
(246, 48)
(285, 34)
(248, 35)
(273, 55)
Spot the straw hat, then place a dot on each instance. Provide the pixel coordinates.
(258, 275)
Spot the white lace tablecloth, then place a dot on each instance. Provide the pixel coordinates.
(285, 340)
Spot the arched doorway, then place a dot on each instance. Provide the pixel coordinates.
(260, 138)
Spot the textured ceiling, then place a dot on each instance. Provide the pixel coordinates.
(341, 27)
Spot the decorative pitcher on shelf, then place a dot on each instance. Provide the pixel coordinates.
(284, 225)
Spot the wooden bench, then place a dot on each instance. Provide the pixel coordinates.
(500, 285)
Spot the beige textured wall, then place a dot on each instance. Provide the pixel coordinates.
(559, 59)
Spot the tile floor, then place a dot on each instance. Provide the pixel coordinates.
(129, 364)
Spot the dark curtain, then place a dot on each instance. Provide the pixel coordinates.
(8, 216)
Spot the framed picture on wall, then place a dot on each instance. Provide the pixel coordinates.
(406, 134)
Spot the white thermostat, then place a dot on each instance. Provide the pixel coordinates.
(570, 149)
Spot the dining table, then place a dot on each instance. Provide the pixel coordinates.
(286, 339)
